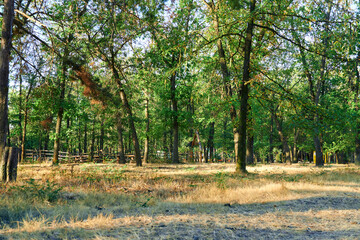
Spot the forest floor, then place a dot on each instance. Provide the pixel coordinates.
(186, 201)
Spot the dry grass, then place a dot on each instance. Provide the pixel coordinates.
(109, 201)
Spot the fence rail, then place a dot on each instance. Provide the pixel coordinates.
(34, 155)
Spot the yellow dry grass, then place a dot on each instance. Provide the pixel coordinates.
(109, 201)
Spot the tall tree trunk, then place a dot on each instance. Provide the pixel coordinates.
(357, 87)
(6, 36)
(92, 144)
(211, 141)
(146, 144)
(225, 76)
(224, 139)
(175, 127)
(79, 137)
(59, 118)
(191, 109)
(120, 137)
(200, 146)
(244, 93)
(20, 110)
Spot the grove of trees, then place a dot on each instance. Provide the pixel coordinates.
(248, 80)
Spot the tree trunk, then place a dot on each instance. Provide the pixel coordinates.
(20, 110)
(146, 144)
(283, 139)
(128, 110)
(271, 145)
(9, 162)
(357, 87)
(79, 137)
(102, 134)
(200, 146)
(225, 77)
(59, 120)
(85, 136)
(121, 154)
(92, 144)
(224, 139)
(250, 149)
(244, 93)
(174, 103)
(23, 139)
(295, 151)
(6, 36)
(211, 141)
(61, 109)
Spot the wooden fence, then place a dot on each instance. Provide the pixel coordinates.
(34, 155)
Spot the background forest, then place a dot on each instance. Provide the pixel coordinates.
(269, 81)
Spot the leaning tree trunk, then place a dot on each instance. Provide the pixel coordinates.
(127, 108)
(6, 36)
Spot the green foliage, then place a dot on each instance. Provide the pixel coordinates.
(33, 191)
(221, 179)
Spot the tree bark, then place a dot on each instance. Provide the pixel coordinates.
(6, 37)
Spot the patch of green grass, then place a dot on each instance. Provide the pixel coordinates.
(221, 179)
(34, 191)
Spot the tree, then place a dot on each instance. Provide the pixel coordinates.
(6, 37)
